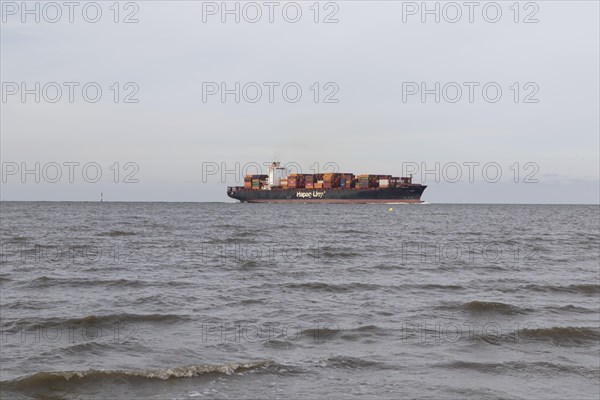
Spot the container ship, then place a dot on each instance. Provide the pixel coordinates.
(278, 187)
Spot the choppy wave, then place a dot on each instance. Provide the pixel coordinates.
(586, 288)
(353, 231)
(279, 344)
(362, 332)
(91, 349)
(332, 330)
(330, 287)
(246, 233)
(248, 264)
(477, 306)
(116, 233)
(348, 363)
(94, 348)
(47, 281)
(65, 378)
(41, 323)
(439, 286)
(17, 238)
(337, 254)
(570, 308)
(518, 366)
(26, 304)
(237, 240)
(567, 335)
(321, 334)
(558, 336)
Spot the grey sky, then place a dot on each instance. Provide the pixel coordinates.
(368, 55)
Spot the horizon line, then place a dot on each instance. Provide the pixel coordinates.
(237, 202)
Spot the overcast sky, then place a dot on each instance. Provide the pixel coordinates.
(542, 133)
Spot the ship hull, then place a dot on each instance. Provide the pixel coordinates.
(405, 194)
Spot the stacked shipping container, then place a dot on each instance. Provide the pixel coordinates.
(366, 181)
(296, 181)
(309, 181)
(254, 181)
(329, 181)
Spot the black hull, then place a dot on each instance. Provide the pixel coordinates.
(404, 194)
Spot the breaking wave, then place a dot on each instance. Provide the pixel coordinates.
(64, 378)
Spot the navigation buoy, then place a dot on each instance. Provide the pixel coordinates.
(391, 209)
